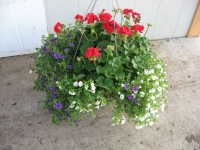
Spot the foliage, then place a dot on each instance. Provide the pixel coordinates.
(96, 62)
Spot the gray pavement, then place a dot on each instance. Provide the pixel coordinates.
(25, 125)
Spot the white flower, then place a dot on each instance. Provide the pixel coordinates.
(157, 83)
(142, 118)
(159, 89)
(153, 97)
(163, 107)
(71, 106)
(72, 93)
(138, 73)
(60, 87)
(93, 91)
(56, 82)
(75, 83)
(146, 72)
(139, 127)
(80, 83)
(92, 84)
(86, 87)
(142, 81)
(151, 123)
(159, 66)
(142, 94)
(76, 107)
(122, 96)
(118, 93)
(97, 107)
(152, 91)
(123, 121)
(97, 102)
(154, 78)
(122, 85)
(93, 88)
(88, 105)
(157, 115)
(30, 71)
(151, 71)
(74, 102)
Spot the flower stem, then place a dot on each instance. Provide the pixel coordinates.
(84, 61)
(147, 29)
(129, 70)
(86, 36)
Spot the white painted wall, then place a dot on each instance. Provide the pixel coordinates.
(22, 23)
(170, 18)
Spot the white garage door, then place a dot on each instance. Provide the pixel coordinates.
(22, 22)
(170, 18)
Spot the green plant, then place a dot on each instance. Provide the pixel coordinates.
(96, 62)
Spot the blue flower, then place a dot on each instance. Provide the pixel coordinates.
(134, 88)
(52, 89)
(71, 44)
(131, 97)
(53, 39)
(67, 49)
(69, 66)
(136, 102)
(57, 55)
(58, 105)
(126, 86)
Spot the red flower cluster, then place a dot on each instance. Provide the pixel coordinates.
(92, 53)
(58, 27)
(124, 30)
(127, 11)
(137, 28)
(110, 26)
(104, 16)
(91, 18)
(79, 17)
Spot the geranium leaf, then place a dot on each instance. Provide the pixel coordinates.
(79, 77)
(100, 80)
(134, 64)
(85, 46)
(109, 83)
(102, 44)
(119, 74)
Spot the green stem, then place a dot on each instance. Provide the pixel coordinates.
(107, 57)
(146, 31)
(85, 36)
(129, 70)
(84, 61)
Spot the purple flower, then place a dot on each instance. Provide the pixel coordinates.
(58, 116)
(58, 106)
(69, 35)
(54, 96)
(52, 89)
(69, 66)
(134, 88)
(67, 49)
(71, 44)
(131, 97)
(56, 55)
(136, 102)
(44, 48)
(126, 86)
(53, 39)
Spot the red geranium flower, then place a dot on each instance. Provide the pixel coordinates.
(91, 17)
(79, 17)
(124, 30)
(105, 16)
(92, 53)
(110, 26)
(127, 11)
(58, 27)
(138, 28)
(135, 14)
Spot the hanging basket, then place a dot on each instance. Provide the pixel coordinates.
(100, 61)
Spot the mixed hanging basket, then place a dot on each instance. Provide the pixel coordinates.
(96, 62)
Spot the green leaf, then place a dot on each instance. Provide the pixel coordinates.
(109, 83)
(100, 80)
(119, 74)
(77, 66)
(102, 44)
(79, 77)
(134, 64)
(109, 70)
(85, 46)
(99, 69)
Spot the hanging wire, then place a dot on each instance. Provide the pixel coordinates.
(84, 26)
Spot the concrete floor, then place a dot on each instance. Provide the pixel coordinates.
(25, 125)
